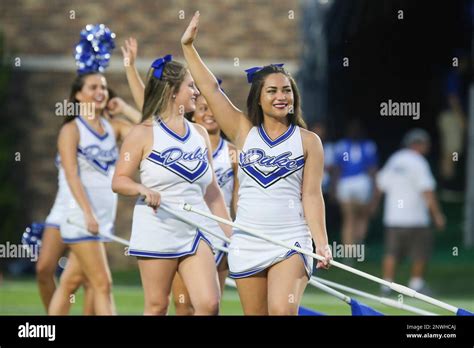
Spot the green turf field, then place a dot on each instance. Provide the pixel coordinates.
(20, 297)
(451, 280)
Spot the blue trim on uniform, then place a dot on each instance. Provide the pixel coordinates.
(247, 273)
(100, 137)
(220, 146)
(219, 257)
(183, 139)
(288, 133)
(220, 254)
(199, 236)
(267, 179)
(103, 169)
(292, 252)
(224, 177)
(57, 161)
(179, 169)
(257, 270)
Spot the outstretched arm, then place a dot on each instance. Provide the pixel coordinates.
(232, 121)
(133, 77)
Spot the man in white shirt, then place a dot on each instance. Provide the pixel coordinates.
(409, 187)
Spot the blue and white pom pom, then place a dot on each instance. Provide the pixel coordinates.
(93, 51)
(33, 234)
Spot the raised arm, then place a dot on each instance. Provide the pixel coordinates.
(233, 153)
(312, 197)
(67, 146)
(133, 77)
(117, 106)
(233, 122)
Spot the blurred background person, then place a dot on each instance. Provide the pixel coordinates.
(452, 123)
(347, 55)
(409, 187)
(354, 170)
(52, 245)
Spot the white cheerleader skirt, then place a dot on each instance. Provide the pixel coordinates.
(214, 227)
(356, 188)
(104, 205)
(162, 235)
(57, 212)
(249, 255)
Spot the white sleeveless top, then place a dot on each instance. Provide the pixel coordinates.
(62, 182)
(178, 166)
(223, 170)
(96, 154)
(271, 177)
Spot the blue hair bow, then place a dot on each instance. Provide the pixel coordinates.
(252, 71)
(159, 65)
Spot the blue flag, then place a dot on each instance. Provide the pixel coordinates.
(362, 309)
(463, 312)
(307, 311)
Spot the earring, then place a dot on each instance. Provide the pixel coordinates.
(174, 97)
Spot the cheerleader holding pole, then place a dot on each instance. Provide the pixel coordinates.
(280, 173)
(224, 156)
(175, 161)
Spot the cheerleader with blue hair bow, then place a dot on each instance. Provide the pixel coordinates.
(174, 157)
(280, 172)
(224, 155)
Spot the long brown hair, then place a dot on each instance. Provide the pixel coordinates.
(158, 91)
(254, 110)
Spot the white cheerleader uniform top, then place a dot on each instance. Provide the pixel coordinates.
(270, 191)
(270, 172)
(177, 168)
(178, 165)
(224, 171)
(96, 158)
(97, 154)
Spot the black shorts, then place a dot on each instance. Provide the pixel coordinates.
(416, 242)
